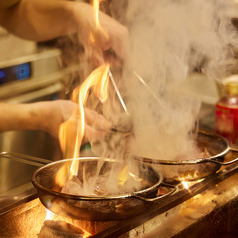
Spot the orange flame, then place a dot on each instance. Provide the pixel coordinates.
(49, 215)
(96, 11)
(185, 184)
(72, 131)
(98, 80)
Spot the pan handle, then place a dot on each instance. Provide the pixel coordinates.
(174, 188)
(234, 149)
(222, 163)
(27, 159)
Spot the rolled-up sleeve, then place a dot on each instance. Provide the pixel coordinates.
(8, 3)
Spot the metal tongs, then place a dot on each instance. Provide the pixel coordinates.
(117, 92)
(148, 88)
(122, 103)
(141, 80)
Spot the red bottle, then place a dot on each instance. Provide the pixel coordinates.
(226, 114)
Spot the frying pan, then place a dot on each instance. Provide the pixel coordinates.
(103, 206)
(190, 170)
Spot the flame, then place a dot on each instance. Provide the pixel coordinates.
(71, 141)
(185, 184)
(49, 215)
(61, 177)
(188, 184)
(71, 132)
(96, 10)
(123, 175)
(99, 80)
(96, 4)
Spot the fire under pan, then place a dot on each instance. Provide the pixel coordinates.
(205, 208)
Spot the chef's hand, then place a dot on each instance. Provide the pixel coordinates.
(54, 113)
(71, 132)
(102, 42)
(48, 19)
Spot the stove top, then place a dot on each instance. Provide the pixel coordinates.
(206, 208)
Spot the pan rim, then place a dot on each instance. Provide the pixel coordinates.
(38, 186)
(190, 162)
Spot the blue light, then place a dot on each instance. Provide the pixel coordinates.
(2, 76)
(23, 71)
(54, 97)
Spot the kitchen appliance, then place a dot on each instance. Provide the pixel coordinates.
(30, 78)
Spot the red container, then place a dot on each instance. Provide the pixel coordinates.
(226, 114)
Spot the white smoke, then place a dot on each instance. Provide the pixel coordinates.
(169, 39)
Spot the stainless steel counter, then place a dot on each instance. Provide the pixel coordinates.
(15, 179)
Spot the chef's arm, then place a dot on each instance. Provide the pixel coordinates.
(42, 20)
(48, 116)
(45, 116)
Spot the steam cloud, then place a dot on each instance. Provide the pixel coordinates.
(169, 40)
